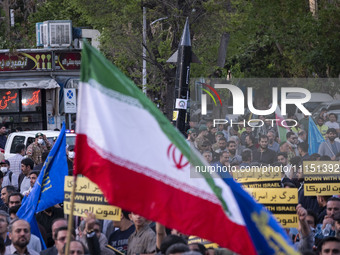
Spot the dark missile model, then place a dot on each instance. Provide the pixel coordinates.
(183, 57)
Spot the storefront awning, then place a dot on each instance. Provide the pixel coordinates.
(42, 83)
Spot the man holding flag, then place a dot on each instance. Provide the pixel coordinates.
(330, 147)
(160, 181)
(315, 138)
(48, 189)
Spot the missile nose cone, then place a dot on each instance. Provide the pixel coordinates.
(185, 40)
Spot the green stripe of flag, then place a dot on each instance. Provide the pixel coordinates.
(282, 133)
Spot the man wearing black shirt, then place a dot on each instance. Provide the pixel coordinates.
(263, 154)
(119, 238)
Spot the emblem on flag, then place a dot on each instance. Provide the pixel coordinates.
(177, 157)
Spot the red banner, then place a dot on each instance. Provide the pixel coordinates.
(40, 61)
(67, 60)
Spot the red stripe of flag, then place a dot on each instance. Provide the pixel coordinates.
(160, 202)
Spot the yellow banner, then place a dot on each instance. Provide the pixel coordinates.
(274, 196)
(288, 220)
(265, 185)
(281, 202)
(321, 179)
(174, 115)
(88, 198)
(256, 175)
(205, 242)
(322, 189)
(84, 185)
(102, 212)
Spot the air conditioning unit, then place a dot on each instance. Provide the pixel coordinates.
(39, 33)
(54, 33)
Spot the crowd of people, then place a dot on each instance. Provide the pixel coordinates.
(241, 145)
(223, 145)
(17, 177)
(131, 235)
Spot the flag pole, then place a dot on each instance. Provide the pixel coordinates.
(70, 219)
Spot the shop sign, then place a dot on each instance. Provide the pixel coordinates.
(67, 60)
(40, 61)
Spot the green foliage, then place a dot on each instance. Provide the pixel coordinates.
(282, 39)
(57, 10)
(267, 38)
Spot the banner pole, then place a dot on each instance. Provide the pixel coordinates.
(70, 219)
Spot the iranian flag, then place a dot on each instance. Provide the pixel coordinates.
(282, 130)
(143, 164)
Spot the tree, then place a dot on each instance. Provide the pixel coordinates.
(283, 39)
(247, 38)
(120, 23)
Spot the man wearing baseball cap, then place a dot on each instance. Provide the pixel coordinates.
(202, 135)
(36, 149)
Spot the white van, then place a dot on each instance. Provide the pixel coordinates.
(314, 102)
(331, 106)
(28, 137)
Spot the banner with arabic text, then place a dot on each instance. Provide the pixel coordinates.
(281, 202)
(88, 198)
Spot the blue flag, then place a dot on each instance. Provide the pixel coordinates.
(48, 190)
(315, 138)
(267, 234)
